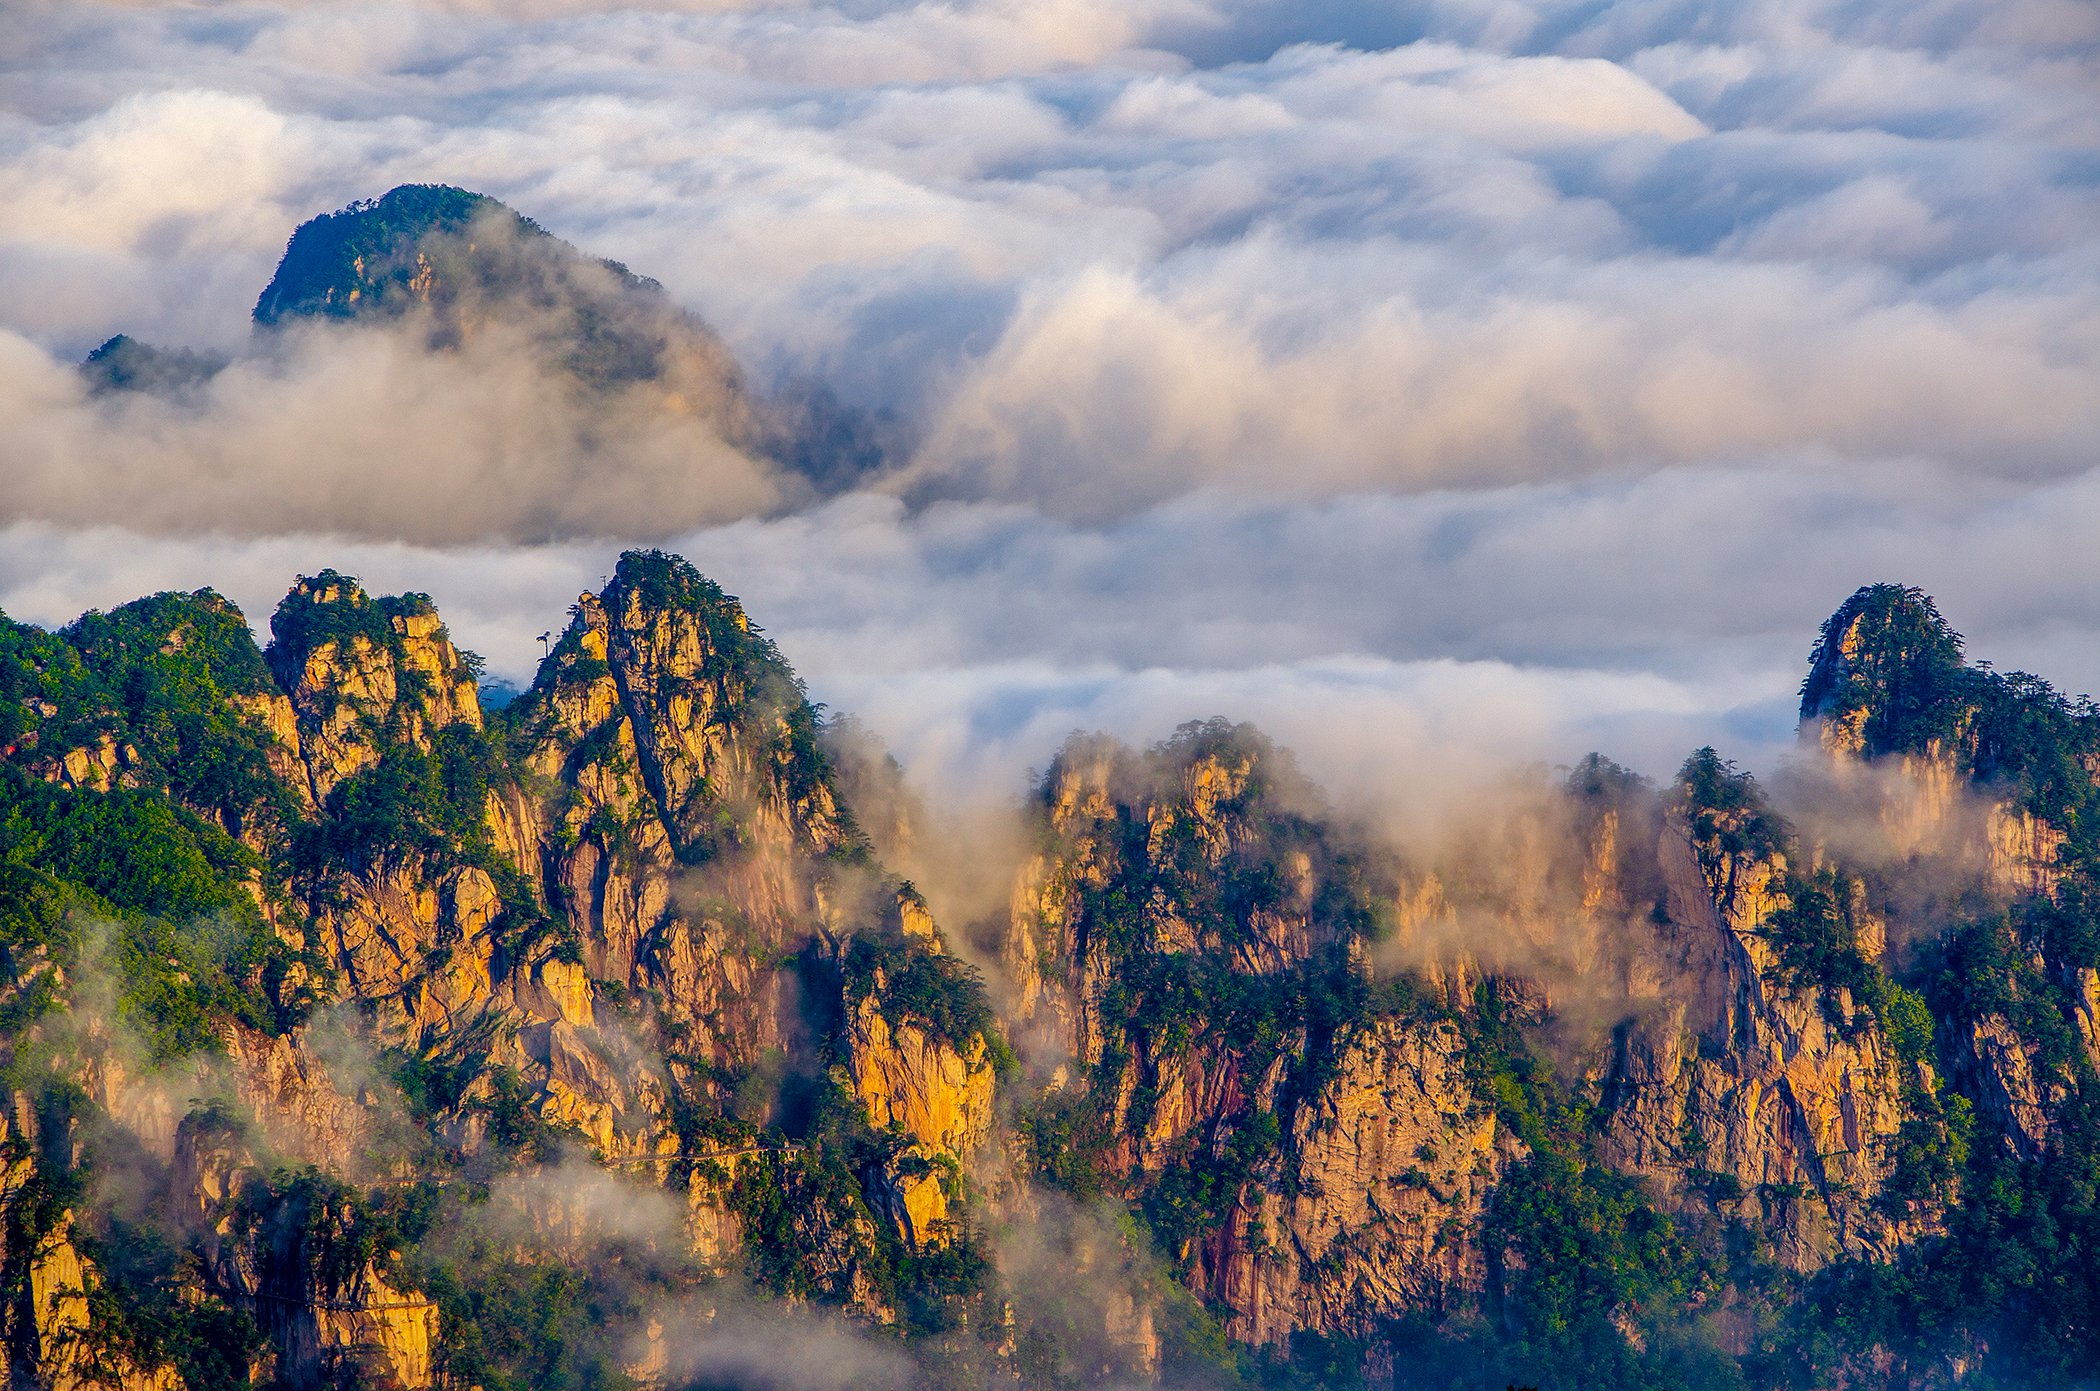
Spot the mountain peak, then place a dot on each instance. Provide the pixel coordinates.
(362, 256)
(469, 262)
(458, 270)
(1884, 673)
(123, 363)
(661, 580)
(332, 608)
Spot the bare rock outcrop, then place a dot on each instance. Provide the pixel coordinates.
(1381, 1202)
(362, 674)
(49, 1335)
(930, 1092)
(1775, 1097)
(292, 1257)
(1349, 1174)
(687, 852)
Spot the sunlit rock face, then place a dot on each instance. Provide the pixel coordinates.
(1395, 1159)
(362, 676)
(674, 839)
(1236, 1056)
(632, 917)
(1998, 776)
(1745, 1087)
(1355, 1150)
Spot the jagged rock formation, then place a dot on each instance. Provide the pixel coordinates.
(1775, 1097)
(290, 1258)
(320, 980)
(1887, 676)
(361, 677)
(1394, 1160)
(636, 916)
(658, 712)
(1188, 957)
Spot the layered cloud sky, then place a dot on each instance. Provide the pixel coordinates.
(1440, 385)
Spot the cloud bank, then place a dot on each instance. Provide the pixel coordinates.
(1438, 384)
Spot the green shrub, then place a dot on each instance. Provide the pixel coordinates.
(942, 993)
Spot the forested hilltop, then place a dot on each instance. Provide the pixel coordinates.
(448, 269)
(357, 1035)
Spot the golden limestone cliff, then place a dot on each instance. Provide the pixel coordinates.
(289, 1258)
(685, 860)
(606, 991)
(927, 1091)
(1934, 815)
(1394, 1160)
(48, 1337)
(1778, 1101)
(614, 947)
(1095, 804)
(373, 686)
(686, 844)
(274, 1254)
(326, 1323)
(1891, 706)
(362, 676)
(1993, 775)
(1348, 1168)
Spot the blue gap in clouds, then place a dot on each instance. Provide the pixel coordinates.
(1257, 32)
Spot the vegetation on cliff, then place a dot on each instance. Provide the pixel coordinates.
(334, 1006)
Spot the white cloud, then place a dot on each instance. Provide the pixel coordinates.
(1271, 365)
(1452, 634)
(1327, 362)
(370, 434)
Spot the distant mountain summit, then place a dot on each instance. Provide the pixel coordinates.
(123, 363)
(473, 264)
(1886, 673)
(363, 257)
(464, 269)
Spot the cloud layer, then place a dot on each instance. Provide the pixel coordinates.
(1438, 382)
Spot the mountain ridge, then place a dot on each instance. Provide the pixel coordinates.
(1626, 1095)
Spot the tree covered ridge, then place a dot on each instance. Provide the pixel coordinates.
(447, 269)
(335, 261)
(459, 257)
(328, 255)
(1887, 653)
(1888, 662)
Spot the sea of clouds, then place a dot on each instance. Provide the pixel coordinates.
(1439, 385)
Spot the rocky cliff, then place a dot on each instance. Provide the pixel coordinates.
(357, 1034)
(630, 918)
(1761, 1087)
(1188, 958)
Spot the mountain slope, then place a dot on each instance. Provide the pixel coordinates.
(463, 264)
